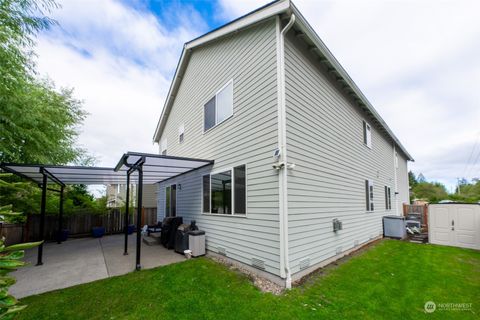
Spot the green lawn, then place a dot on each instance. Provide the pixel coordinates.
(391, 280)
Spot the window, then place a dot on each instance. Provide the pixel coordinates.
(388, 198)
(163, 147)
(171, 201)
(225, 192)
(367, 134)
(221, 192)
(181, 133)
(218, 108)
(206, 194)
(369, 194)
(240, 189)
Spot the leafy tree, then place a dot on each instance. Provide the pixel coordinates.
(432, 191)
(10, 261)
(37, 121)
(412, 179)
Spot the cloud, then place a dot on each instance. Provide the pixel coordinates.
(417, 62)
(120, 60)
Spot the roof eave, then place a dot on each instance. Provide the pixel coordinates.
(245, 21)
(305, 27)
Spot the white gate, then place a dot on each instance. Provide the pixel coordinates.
(455, 225)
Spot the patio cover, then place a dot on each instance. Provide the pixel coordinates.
(156, 168)
(133, 167)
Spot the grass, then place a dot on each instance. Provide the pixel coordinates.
(391, 280)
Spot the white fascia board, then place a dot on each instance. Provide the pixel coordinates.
(242, 22)
(267, 11)
(177, 78)
(305, 27)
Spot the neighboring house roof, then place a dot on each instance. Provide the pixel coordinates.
(304, 31)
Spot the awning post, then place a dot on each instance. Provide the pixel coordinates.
(127, 204)
(139, 215)
(60, 216)
(42, 218)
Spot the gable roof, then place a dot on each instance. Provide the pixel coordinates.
(304, 31)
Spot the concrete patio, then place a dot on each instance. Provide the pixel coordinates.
(84, 260)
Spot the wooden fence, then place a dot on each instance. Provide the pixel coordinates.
(13, 233)
(418, 209)
(81, 225)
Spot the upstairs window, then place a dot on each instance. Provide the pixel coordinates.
(181, 133)
(163, 147)
(225, 192)
(369, 194)
(388, 198)
(367, 134)
(218, 108)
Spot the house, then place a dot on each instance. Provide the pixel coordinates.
(304, 167)
(116, 196)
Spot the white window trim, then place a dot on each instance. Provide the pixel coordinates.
(388, 203)
(181, 130)
(216, 112)
(367, 134)
(233, 214)
(176, 198)
(370, 199)
(163, 146)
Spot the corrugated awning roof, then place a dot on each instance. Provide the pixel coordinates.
(156, 168)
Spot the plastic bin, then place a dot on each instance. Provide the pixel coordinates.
(196, 242)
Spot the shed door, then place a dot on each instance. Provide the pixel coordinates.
(455, 225)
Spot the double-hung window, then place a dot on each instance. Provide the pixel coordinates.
(225, 192)
(219, 107)
(388, 198)
(367, 134)
(369, 194)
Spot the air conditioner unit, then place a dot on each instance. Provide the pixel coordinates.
(394, 227)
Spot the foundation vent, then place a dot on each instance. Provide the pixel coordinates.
(304, 264)
(338, 250)
(222, 251)
(259, 264)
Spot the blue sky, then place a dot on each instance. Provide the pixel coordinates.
(417, 62)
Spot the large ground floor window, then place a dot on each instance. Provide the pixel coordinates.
(225, 192)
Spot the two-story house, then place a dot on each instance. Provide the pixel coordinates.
(304, 167)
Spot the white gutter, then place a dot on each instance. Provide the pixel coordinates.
(282, 145)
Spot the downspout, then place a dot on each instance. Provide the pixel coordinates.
(395, 164)
(282, 145)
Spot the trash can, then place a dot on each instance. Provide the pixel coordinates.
(394, 227)
(196, 242)
(182, 238)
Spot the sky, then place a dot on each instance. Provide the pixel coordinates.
(418, 63)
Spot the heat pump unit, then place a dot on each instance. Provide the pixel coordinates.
(394, 227)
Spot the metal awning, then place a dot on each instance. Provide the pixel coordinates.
(133, 167)
(156, 168)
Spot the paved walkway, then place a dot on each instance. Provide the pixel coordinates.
(84, 260)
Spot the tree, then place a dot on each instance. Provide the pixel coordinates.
(37, 121)
(412, 180)
(431, 191)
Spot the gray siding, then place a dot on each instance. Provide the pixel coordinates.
(325, 141)
(249, 137)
